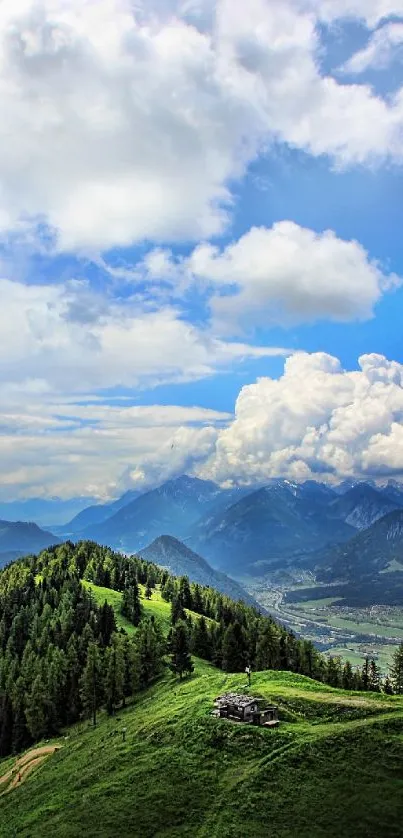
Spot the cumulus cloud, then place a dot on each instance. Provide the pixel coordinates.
(289, 272)
(71, 339)
(316, 421)
(381, 50)
(122, 123)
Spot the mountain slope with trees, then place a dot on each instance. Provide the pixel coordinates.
(66, 659)
(179, 560)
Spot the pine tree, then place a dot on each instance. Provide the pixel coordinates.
(234, 649)
(365, 672)
(114, 674)
(177, 610)
(374, 683)
(181, 661)
(150, 648)
(132, 666)
(35, 710)
(148, 591)
(200, 640)
(387, 686)
(347, 676)
(185, 593)
(91, 683)
(334, 672)
(131, 607)
(397, 671)
(267, 653)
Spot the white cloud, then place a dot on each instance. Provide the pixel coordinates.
(73, 340)
(316, 421)
(121, 123)
(381, 50)
(369, 11)
(289, 272)
(100, 450)
(59, 345)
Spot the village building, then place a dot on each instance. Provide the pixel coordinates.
(246, 708)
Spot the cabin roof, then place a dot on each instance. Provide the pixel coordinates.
(236, 698)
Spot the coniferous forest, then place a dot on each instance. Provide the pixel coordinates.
(63, 657)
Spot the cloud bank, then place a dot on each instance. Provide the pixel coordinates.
(124, 123)
(316, 421)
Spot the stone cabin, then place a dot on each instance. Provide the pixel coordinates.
(245, 708)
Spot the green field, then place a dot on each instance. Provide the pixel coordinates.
(181, 772)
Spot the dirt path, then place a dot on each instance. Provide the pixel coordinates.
(24, 765)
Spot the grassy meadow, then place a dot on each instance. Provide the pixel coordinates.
(332, 769)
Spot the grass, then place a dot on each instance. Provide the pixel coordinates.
(155, 606)
(181, 772)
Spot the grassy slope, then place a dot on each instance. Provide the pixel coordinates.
(333, 771)
(332, 768)
(155, 606)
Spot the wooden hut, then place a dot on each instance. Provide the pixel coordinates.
(245, 708)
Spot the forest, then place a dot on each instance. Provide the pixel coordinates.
(63, 657)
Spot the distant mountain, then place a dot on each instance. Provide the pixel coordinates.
(172, 508)
(256, 533)
(172, 554)
(377, 549)
(362, 505)
(96, 514)
(19, 538)
(46, 512)
(394, 492)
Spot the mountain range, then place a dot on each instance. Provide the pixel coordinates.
(243, 532)
(18, 538)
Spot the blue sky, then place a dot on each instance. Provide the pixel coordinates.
(200, 231)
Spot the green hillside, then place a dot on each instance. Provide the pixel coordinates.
(156, 606)
(163, 765)
(332, 768)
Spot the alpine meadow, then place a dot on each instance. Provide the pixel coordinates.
(201, 418)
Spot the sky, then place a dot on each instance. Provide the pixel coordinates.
(201, 219)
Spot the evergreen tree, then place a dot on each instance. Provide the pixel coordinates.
(387, 686)
(234, 649)
(334, 672)
(148, 591)
(200, 640)
(35, 710)
(365, 674)
(267, 652)
(177, 610)
(181, 661)
(91, 683)
(396, 674)
(114, 674)
(347, 676)
(374, 683)
(130, 606)
(185, 594)
(150, 649)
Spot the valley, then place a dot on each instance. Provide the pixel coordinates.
(338, 630)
